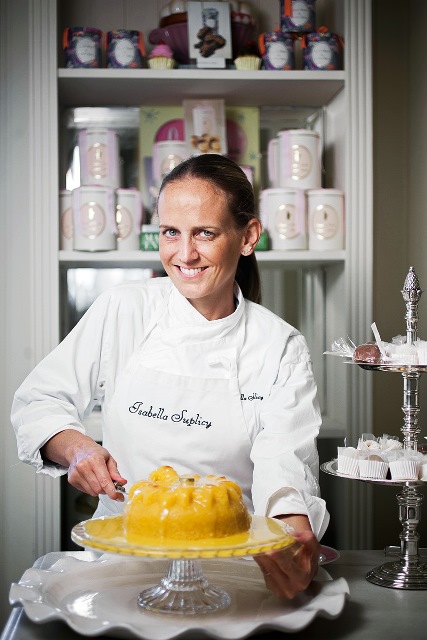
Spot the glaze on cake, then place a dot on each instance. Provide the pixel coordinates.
(168, 506)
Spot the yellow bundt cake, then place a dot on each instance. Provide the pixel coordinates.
(187, 507)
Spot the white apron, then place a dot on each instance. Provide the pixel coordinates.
(178, 403)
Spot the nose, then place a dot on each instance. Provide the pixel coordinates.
(188, 250)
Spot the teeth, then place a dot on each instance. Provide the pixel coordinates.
(190, 272)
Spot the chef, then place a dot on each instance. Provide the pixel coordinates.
(190, 371)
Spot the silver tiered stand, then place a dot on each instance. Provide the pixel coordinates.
(409, 572)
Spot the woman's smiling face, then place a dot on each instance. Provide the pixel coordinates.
(200, 244)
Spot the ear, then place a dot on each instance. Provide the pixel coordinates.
(251, 236)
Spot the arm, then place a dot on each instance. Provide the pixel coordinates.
(284, 453)
(285, 471)
(51, 404)
(91, 468)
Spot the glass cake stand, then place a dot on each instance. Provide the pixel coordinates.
(184, 589)
(409, 572)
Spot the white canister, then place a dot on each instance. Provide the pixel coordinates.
(99, 157)
(65, 221)
(325, 219)
(94, 218)
(283, 215)
(167, 155)
(299, 163)
(128, 219)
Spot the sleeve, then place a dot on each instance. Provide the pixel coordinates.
(62, 389)
(284, 453)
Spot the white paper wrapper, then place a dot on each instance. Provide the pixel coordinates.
(404, 469)
(348, 461)
(422, 473)
(372, 468)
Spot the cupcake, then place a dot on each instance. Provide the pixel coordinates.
(372, 465)
(161, 57)
(405, 465)
(423, 468)
(248, 58)
(348, 461)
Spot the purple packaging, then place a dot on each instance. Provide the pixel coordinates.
(277, 50)
(322, 51)
(297, 16)
(125, 49)
(82, 47)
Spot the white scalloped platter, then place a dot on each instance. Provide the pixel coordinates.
(100, 597)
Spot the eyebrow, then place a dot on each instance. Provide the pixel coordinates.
(207, 227)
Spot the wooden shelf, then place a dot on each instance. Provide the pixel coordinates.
(138, 87)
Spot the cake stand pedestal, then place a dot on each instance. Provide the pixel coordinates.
(184, 589)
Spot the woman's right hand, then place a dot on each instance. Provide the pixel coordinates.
(91, 467)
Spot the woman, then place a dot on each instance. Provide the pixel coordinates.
(191, 372)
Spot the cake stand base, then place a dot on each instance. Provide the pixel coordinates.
(396, 575)
(184, 590)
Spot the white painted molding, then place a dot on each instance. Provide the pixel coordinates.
(359, 271)
(43, 199)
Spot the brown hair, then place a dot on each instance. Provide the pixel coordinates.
(228, 177)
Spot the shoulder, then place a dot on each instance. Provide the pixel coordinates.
(274, 333)
(135, 296)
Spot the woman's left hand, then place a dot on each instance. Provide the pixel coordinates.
(287, 572)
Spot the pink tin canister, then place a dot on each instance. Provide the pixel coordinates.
(99, 157)
(283, 216)
(94, 218)
(128, 219)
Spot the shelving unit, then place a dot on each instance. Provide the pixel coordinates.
(324, 293)
(92, 87)
(151, 259)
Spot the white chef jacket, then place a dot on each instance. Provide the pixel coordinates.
(277, 389)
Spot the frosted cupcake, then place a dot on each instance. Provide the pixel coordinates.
(248, 58)
(161, 57)
(405, 465)
(422, 473)
(348, 461)
(372, 465)
(421, 347)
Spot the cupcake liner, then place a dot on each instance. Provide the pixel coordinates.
(404, 469)
(373, 469)
(159, 62)
(423, 471)
(348, 465)
(248, 63)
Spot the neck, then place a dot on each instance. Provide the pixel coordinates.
(214, 312)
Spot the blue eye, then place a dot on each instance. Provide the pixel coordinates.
(171, 233)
